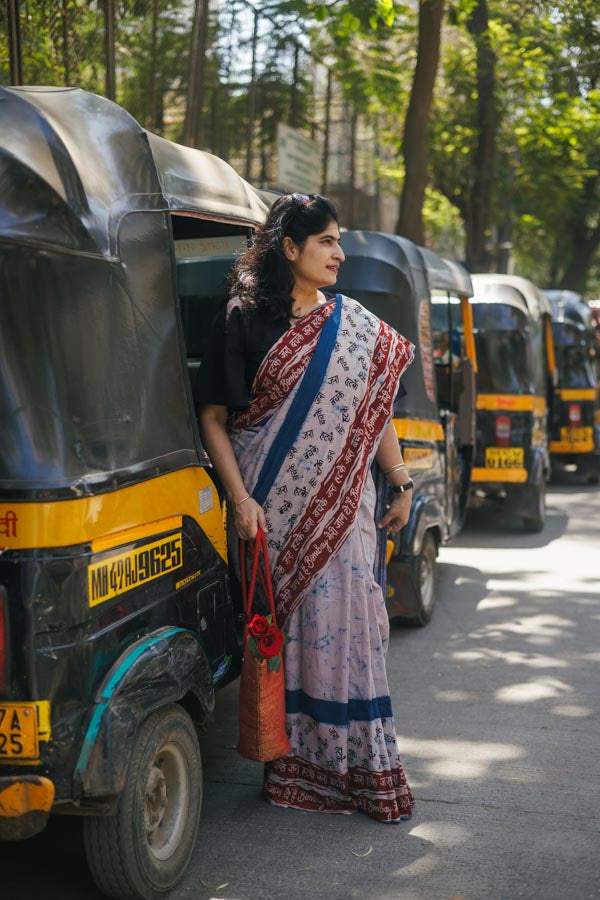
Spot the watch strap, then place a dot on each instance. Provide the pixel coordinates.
(401, 488)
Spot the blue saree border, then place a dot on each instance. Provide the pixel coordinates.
(298, 411)
(330, 712)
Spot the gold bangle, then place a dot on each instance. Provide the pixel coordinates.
(395, 468)
(243, 500)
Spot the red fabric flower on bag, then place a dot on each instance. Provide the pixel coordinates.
(259, 626)
(270, 644)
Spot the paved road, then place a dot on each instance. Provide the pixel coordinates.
(496, 707)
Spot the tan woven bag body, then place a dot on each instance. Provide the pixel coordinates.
(263, 735)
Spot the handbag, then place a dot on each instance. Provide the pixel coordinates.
(263, 735)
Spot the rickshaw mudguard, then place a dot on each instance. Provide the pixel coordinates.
(159, 668)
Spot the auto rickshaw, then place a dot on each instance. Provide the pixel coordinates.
(435, 420)
(574, 426)
(116, 620)
(516, 373)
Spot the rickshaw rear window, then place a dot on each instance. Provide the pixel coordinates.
(498, 317)
(504, 363)
(506, 344)
(565, 334)
(573, 346)
(574, 367)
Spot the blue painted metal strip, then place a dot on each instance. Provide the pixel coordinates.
(134, 655)
(90, 737)
(108, 691)
(331, 712)
(298, 411)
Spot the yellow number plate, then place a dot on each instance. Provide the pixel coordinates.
(504, 457)
(18, 731)
(418, 457)
(122, 572)
(576, 435)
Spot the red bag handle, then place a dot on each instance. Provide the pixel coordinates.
(260, 544)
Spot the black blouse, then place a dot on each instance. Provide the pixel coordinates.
(238, 344)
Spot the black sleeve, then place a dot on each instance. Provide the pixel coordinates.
(221, 379)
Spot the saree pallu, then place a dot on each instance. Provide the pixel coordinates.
(313, 448)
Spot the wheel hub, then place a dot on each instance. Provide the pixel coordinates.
(166, 800)
(156, 800)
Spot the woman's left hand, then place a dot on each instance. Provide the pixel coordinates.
(397, 514)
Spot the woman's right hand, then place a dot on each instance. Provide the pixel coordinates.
(249, 517)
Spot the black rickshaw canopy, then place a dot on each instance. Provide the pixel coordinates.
(570, 307)
(94, 391)
(394, 278)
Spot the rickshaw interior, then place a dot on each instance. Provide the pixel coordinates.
(205, 252)
(448, 342)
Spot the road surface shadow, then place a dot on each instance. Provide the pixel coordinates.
(496, 517)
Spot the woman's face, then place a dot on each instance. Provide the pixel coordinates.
(316, 264)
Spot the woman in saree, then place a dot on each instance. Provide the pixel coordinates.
(296, 398)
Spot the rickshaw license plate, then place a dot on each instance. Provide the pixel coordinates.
(18, 731)
(504, 457)
(576, 435)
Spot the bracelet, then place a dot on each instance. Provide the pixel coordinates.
(243, 500)
(395, 468)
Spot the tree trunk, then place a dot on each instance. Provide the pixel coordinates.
(478, 258)
(192, 129)
(584, 239)
(410, 219)
(576, 274)
(110, 88)
(151, 119)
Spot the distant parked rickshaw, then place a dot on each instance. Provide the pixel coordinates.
(516, 370)
(575, 422)
(116, 618)
(435, 420)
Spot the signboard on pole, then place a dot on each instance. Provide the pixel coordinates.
(298, 161)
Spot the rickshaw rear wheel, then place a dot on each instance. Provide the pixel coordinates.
(141, 852)
(535, 516)
(425, 582)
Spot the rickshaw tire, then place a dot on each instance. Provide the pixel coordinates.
(119, 857)
(535, 523)
(425, 584)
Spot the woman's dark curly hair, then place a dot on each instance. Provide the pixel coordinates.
(262, 278)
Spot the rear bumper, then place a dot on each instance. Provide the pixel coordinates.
(487, 475)
(25, 802)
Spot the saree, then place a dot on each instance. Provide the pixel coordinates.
(321, 401)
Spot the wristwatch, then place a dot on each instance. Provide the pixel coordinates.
(401, 488)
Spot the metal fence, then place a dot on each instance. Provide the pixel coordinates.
(209, 74)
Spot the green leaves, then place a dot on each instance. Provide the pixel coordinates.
(253, 647)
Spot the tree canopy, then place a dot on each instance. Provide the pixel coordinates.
(491, 139)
